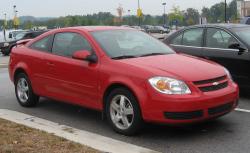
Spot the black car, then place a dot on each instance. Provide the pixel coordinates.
(6, 47)
(226, 44)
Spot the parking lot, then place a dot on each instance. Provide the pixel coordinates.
(227, 134)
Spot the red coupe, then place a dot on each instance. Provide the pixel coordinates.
(127, 74)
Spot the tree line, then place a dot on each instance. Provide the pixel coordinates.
(190, 16)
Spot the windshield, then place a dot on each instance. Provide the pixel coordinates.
(243, 33)
(129, 43)
(20, 36)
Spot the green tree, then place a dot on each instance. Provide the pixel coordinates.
(232, 11)
(175, 15)
(205, 12)
(28, 25)
(191, 16)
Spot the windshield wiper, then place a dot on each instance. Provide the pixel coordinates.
(152, 54)
(124, 57)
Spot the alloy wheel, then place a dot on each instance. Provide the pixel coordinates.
(121, 112)
(23, 90)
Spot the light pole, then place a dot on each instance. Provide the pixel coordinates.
(139, 18)
(4, 26)
(15, 19)
(129, 23)
(164, 13)
(225, 11)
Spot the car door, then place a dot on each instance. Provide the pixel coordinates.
(217, 49)
(189, 41)
(40, 49)
(72, 80)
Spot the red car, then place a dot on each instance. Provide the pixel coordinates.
(127, 74)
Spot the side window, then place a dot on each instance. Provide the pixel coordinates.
(43, 44)
(177, 40)
(65, 44)
(217, 38)
(28, 36)
(193, 37)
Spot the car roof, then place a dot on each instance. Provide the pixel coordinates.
(98, 28)
(222, 25)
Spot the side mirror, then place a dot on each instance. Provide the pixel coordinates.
(239, 47)
(85, 55)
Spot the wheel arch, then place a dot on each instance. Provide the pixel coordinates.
(113, 86)
(18, 71)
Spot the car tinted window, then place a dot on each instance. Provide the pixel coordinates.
(193, 37)
(43, 44)
(65, 44)
(217, 38)
(177, 40)
(28, 36)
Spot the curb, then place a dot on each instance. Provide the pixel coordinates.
(92, 140)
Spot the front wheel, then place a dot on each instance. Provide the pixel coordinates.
(24, 92)
(123, 112)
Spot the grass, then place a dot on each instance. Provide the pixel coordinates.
(15, 138)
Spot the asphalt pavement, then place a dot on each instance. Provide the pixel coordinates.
(229, 134)
(4, 60)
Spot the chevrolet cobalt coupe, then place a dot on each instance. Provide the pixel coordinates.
(128, 75)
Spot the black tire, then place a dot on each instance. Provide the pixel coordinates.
(137, 119)
(6, 51)
(33, 99)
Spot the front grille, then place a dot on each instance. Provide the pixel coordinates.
(212, 84)
(214, 87)
(183, 115)
(210, 80)
(220, 109)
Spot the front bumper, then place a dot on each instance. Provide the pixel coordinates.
(179, 109)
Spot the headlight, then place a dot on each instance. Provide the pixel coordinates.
(169, 86)
(6, 44)
(228, 73)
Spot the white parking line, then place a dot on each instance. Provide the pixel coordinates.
(242, 110)
(93, 140)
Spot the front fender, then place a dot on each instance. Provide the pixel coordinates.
(136, 86)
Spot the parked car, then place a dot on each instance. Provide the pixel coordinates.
(226, 44)
(6, 47)
(159, 29)
(138, 28)
(12, 34)
(245, 20)
(147, 28)
(125, 73)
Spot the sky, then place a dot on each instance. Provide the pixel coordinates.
(56, 8)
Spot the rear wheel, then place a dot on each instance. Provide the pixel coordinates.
(123, 112)
(24, 92)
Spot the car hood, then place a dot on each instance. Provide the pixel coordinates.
(178, 66)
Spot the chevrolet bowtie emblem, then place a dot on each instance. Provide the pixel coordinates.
(216, 83)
